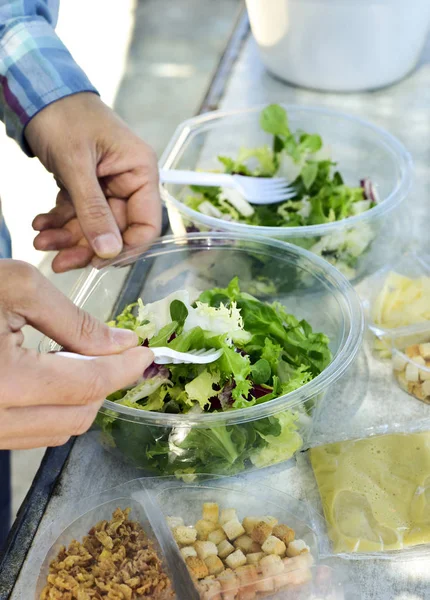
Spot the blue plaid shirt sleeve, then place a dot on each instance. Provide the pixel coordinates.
(36, 68)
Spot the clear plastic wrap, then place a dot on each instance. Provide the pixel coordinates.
(370, 497)
(153, 499)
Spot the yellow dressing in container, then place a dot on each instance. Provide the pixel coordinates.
(375, 492)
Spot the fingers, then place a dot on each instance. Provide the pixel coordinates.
(25, 292)
(76, 257)
(49, 379)
(53, 239)
(38, 426)
(95, 216)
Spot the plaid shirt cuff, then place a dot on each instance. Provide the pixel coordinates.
(36, 69)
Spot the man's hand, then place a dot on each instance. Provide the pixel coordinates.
(44, 398)
(108, 181)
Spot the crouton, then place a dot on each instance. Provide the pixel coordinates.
(209, 589)
(173, 522)
(297, 547)
(205, 549)
(261, 532)
(211, 512)
(274, 545)
(255, 547)
(229, 584)
(187, 551)
(296, 577)
(233, 529)
(272, 521)
(249, 523)
(284, 533)
(227, 514)
(271, 565)
(217, 536)
(248, 577)
(303, 561)
(214, 565)
(235, 559)
(184, 536)
(197, 567)
(225, 548)
(204, 528)
(244, 542)
(253, 558)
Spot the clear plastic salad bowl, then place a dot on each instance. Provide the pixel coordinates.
(358, 245)
(232, 441)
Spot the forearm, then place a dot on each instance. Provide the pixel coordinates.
(36, 68)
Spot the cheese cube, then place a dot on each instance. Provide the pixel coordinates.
(399, 362)
(411, 373)
(424, 350)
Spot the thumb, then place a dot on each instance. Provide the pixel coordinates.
(92, 209)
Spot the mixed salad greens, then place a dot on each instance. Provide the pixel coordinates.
(321, 194)
(267, 353)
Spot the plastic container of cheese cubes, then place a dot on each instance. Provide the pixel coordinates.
(204, 532)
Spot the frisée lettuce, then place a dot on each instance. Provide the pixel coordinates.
(266, 353)
(321, 194)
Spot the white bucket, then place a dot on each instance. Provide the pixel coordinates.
(340, 45)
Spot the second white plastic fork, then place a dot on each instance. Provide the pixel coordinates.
(256, 190)
(167, 356)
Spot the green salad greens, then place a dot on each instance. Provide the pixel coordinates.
(321, 194)
(321, 197)
(266, 353)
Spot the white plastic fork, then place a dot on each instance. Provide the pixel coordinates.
(256, 190)
(166, 356)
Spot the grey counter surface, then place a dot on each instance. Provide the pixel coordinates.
(403, 109)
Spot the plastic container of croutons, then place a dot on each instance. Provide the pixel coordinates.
(368, 497)
(410, 353)
(178, 520)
